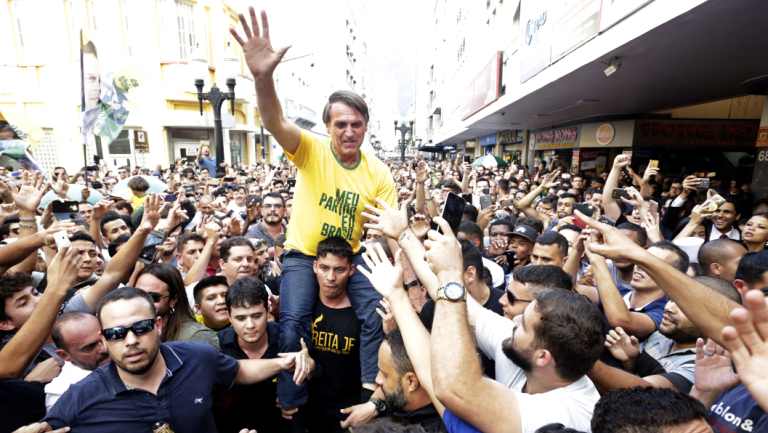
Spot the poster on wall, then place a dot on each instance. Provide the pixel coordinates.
(536, 22)
(614, 11)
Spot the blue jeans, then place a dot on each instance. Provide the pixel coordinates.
(298, 294)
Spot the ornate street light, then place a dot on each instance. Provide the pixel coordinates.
(216, 97)
(406, 134)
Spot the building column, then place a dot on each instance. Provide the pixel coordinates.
(760, 173)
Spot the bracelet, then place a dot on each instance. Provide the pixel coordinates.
(28, 220)
(27, 225)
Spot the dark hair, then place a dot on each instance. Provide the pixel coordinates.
(125, 205)
(70, 316)
(450, 184)
(138, 183)
(551, 237)
(470, 213)
(720, 286)
(715, 251)
(188, 237)
(336, 246)
(399, 354)
(471, 256)
(176, 291)
(647, 410)
(752, 267)
(124, 293)
(348, 98)
(531, 222)
(215, 280)
(471, 230)
(571, 329)
(247, 292)
(550, 200)
(545, 276)
(81, 236)
(556, 428)
(5, 228)
(110, 216)
(113, 246)
(275, 195)
(10, 284)
(502, 222)
(682, 261)
(236, 241)
(642, 235)
(568, 195)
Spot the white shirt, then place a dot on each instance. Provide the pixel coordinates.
(732, 234)
(570, 405)
(497, 272)
(70, 375)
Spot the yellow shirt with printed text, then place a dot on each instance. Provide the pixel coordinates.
(329, 198)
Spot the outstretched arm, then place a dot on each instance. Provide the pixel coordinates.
(262, 60)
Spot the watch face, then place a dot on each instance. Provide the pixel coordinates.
(454, 291)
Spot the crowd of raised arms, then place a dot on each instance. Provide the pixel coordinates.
(334, 291)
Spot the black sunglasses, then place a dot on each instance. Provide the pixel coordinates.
(414, 283)
(138, 328)
(512, 298)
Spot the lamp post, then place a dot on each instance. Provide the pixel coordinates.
(216, 97)
(406, 132)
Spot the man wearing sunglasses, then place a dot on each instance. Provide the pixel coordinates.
(150, 386)
(527, 282)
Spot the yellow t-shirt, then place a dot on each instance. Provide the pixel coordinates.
(329, 198)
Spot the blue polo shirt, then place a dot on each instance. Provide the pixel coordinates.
(101, 403)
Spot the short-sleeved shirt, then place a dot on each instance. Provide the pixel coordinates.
(208, 164)
(330, 197)
(680, 363)
(653, 309)
(102, 403)
(735, 411)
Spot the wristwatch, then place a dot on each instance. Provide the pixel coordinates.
(453, 292)
(381, 405)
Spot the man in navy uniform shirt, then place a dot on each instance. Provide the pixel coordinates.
(150, 386)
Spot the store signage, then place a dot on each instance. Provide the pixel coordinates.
(692, 133)
(510, 136)
(762, 137)
(488, 140)
(536, 32)
(560, 138)
(605, 134)
(484, 88)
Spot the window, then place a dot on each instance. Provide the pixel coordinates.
(185, 24)
(179, 38)
(121, 145)
(27, 20)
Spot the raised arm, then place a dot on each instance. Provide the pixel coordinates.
(197, 271)
(262, 60)
(610, 206)
(23, 347)
(704, 307)
(121, 265)
(27, 200)
(524, 204)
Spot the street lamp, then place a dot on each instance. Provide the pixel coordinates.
(406, 133)
(216, 97)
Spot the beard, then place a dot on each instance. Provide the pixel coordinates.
(141, 369)
(680, 336)
(520, 358)
(396, 400)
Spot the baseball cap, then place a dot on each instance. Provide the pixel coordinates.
(526, 232)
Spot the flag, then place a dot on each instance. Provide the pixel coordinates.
(18, 150)
(108, 117)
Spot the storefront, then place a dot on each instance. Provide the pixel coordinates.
(510, 145)
(599, 143)
(554, 147)
(487, 144)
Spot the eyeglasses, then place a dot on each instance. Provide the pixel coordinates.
(272, 206)
(512, 298)
(120, 332)
(156, 297)
(414, 283)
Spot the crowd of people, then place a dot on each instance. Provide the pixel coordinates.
(337, 292)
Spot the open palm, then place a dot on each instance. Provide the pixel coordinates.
(385, 277)
(261, 58)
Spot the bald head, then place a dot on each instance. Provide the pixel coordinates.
(78, 339)
(720, 258)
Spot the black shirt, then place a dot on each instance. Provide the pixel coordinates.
(252, 406)
(336, 381)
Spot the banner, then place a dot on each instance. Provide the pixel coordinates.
(18, 150)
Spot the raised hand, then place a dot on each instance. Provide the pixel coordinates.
(100, 209)
(302, 364)
(747, 340)
(714, 372)
(385, 277)
(261, 58)
(623, 347)
(388, 323)
(31, 192)
(444, 253)
(151, 215)
(62, 271)
(422, 171)
(614, 245)
(390, 221)
(621, 161)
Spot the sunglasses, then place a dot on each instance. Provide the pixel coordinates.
(512, 298)
(414, 283)
(120, 332)
(156, 297)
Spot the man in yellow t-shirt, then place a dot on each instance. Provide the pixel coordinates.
(334, 183)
